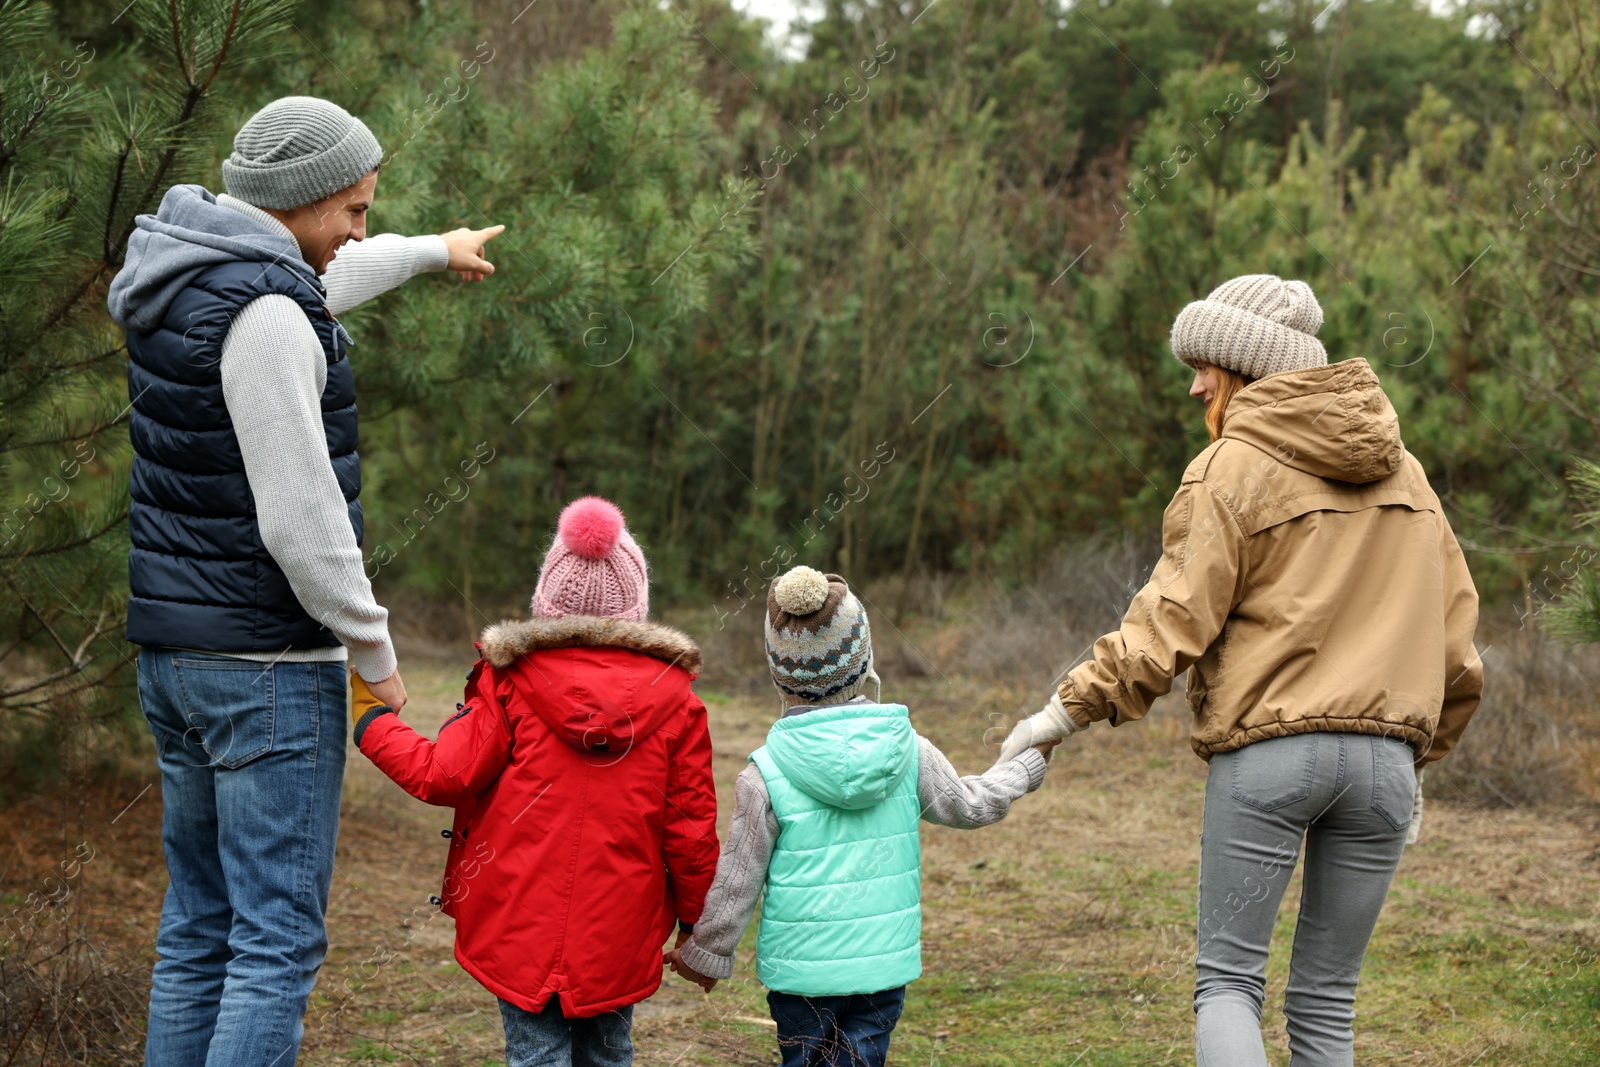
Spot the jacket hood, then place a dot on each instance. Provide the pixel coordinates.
(850, 756)
(1332, 422)
(599, 684)
(504, 642)
(189, 233)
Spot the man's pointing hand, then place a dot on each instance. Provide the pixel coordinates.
(466, 252)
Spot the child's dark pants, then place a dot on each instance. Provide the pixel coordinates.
(848, 1031)
(548, 1039)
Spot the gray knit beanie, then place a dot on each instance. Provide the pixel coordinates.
(819, 645)
(1256, 325)
(297, 150)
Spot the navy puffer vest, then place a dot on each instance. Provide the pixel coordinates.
(198, 574)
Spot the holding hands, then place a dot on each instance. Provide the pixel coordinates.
(675, 961)
(365, 695)
(1044, 730)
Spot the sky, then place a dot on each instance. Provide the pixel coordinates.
(781, 12)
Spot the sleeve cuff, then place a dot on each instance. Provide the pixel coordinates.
(1077, 709)
(1034, 764)
(375, 662)
(707, 963)
(432, 253)
(368, 719)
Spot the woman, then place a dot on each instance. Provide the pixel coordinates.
(1310, 580)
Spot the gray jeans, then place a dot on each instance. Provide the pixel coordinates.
(1349, 795)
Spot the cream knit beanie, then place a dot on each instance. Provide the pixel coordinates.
(1256, 325)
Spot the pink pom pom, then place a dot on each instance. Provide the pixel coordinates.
(591, 527)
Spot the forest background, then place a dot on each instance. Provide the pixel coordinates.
(893, 302)
(898, 307)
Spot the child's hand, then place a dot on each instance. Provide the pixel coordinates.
(675, 961)
(362, 698)
(1044, 748)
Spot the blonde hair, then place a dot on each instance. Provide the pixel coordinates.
(1228, 384)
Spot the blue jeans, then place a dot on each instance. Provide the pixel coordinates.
(1349, 796)
(252, 762)
(549, 1039)
(848, 1031)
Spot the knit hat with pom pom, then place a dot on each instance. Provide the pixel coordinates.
(594, 567)
(818, 643)
(1256, 325)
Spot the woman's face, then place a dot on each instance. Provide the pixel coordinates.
(1205, 383)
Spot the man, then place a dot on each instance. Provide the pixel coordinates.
(247, 586)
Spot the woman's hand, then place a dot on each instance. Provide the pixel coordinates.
(1049, 726)
(1415, 829)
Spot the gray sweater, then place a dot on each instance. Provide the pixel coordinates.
(273, 374)
(947, 799)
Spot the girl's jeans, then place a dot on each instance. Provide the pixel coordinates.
(549, 1039)
(1349, 795)
(252, 760)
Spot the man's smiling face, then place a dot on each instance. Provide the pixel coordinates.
(322, 228)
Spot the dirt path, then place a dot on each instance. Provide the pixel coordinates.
(1064, 935)
(391, 990)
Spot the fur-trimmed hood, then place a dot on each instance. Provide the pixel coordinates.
(504, 642)
(600, 685)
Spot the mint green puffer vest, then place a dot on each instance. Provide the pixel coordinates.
(842, 912)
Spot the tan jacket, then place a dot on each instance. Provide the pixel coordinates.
(1308, 581)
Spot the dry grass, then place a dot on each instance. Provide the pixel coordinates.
(1063, 931)
(80, 884)
(1067, 930)
(65, 1001)
(1536, 737)
(1061, 936)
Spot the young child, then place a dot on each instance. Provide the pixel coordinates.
(824, 835)
(586, 814)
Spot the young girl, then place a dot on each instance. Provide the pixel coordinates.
(825, 836)
(586, 816)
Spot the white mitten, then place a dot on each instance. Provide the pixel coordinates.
(1052, 723)
(1416, 812)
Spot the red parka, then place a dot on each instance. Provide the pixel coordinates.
(586, 813)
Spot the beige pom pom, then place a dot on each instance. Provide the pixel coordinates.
(801, 591)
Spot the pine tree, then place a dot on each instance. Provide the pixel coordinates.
(91, 133)
(1576, 615)
(604, 165)
(88, 139)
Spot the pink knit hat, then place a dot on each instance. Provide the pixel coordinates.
(594, 567)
